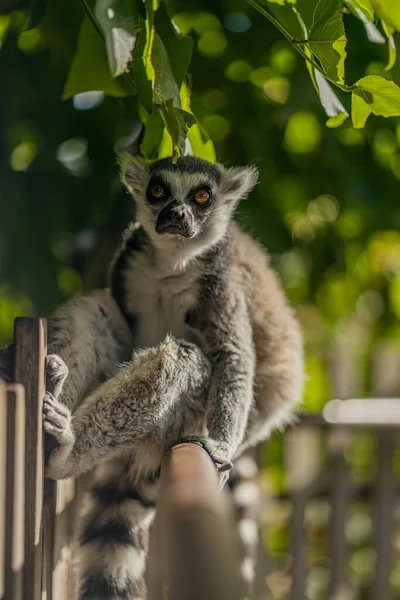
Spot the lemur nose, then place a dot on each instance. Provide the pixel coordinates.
(175, 214)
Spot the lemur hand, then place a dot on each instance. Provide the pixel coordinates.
(56, 416)
(219, 452)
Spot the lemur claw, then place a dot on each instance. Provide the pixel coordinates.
(57, 420)
(217, 451)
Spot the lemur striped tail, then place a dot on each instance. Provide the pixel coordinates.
(115, 536)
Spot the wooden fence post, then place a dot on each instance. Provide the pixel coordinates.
(15, 492)
(385, 384)
(194, 550)
(30, 341)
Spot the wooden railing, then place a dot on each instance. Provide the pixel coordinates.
(38, 517)
(194, 550)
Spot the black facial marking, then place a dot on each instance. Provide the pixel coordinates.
(157, 182)
(187, 164)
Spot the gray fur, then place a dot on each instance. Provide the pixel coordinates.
(217, 359)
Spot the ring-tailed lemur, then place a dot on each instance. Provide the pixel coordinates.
(217, 359)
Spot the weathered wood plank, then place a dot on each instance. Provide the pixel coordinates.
(344, 373)
(3, 470)
(385, 383)
(29, 361)
(15, 491)
(194, 549)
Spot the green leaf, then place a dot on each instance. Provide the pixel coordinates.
(201, 144)
(324, 32)
(332, 105)
(154, 127)
(177, 122)
(178, 47)
(365, 6)
(89, 70)
(38, 9)
(165, 87)
(391, 45)
(315, 29)
(117, 20)
(337, 120)
(143, 85)
(388, 11)
(373, 94)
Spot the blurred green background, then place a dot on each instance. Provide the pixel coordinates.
(327, 208)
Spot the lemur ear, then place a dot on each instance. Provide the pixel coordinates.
(134, 173)
(237, 182)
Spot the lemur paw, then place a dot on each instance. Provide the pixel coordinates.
(57, 420)
(219, 452)
(56, 374)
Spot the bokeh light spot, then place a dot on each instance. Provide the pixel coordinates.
(212, 43)
(303, 133)
(238, 70)
(218, 127)
(277, 90)
(260, 76)
(237, 22)
(31, 41)
(283, 58)
(214, 99)
(206, 22)
(23, 156)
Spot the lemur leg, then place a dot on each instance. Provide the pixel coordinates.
(125, 409)
(228, 336)
(115, 534)
(279, 383)
(92, 338)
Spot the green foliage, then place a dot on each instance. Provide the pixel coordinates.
(317, 31)
(129, 47)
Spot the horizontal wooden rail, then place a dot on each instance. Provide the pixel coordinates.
(194, 549)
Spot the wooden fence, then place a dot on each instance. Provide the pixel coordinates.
(38, 517)
(194, 549)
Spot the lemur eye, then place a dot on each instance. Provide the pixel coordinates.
(202, 196)
(157, 191)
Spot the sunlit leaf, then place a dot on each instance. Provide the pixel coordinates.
(376, 95)
(329, 100)
(364, 12)
(117, 20)
(365, 6)
(177, 122)
(388, 11)
(154, 127)
(315, 29)
(89, 70)
(337, 120)
(323, 25)
(200, 143)
(389, 31)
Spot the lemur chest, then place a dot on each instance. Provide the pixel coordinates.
(159, 304)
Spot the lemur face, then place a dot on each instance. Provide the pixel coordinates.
(186, 199)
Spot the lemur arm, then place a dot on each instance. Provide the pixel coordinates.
(92, 338)
(124, 410)
(228, 336)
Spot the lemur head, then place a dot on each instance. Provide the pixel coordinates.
(190, 200)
